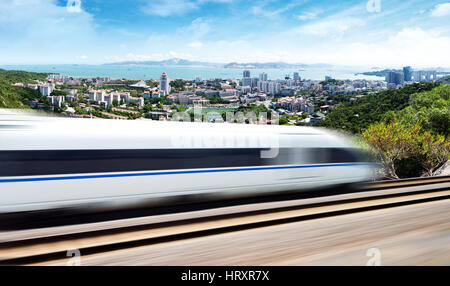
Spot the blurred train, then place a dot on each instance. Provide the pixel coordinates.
(62, 163)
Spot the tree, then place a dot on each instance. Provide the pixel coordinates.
(284, 120)
(391, 142)
(371, 108)
(429, 109)
(178, 84)
(433, 152)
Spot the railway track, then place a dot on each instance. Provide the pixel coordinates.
(51, 244)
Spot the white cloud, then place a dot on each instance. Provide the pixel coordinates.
(329, 26)
(40, 27)
(147, 57)
(169, 7)
(29, 13)
(133, 57)
(259, 11)
(309, 15)
(195, 45)
(83, 57)
(197, 29)
(166, 8)
(410, 46)
(266, 11)
(441, 10)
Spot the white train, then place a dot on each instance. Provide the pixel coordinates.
(58, 163)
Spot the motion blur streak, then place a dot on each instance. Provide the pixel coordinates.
(59, 163)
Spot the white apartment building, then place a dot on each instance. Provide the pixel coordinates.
(97, 95)
(46, 89)
(56, 100)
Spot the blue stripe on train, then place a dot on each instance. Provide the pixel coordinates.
(80, 177)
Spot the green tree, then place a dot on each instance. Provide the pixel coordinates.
(429, 109)
(433, 151)
(391, 142)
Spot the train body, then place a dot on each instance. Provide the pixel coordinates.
(57, 163)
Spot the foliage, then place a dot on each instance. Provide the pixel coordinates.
(431, 110)
(12, 76)
(391, 142)
(445, 79)
(332, 81)
(284, 120)
(217, 100)
(432, 151)
(254, 108)
(16, 96)
(58, 93)
(178, 84)
(407, 149)
(358, 115)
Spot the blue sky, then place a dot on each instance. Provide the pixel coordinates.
(383, 33)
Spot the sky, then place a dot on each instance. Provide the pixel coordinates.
(375, 33)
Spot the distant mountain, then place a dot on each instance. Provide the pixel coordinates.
(235, 65)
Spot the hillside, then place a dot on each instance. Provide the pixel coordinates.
(358, 115)
(407, 128)
(14, 96)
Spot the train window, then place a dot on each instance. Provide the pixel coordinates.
(341, 155)
(48, 162)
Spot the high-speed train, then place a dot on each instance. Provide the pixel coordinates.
(58, 163)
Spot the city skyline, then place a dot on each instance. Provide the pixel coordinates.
(354, 32)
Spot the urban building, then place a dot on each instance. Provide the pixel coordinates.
(164, 83)
(407, 73)
(396, 78)
(246, 79)
(263, 76)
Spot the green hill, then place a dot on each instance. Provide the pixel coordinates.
(14, 96)
(407, 128)
(358, 115)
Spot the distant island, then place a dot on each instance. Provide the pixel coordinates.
(233, 65)
(381, 73)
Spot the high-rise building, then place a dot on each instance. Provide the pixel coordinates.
(395, 77)
(263, 76)
(418, 76)
(274, 87)
(407, 73)
(246, 80)
(164, 83)
(296, 76)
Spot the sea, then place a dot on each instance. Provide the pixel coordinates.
(147, 72)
